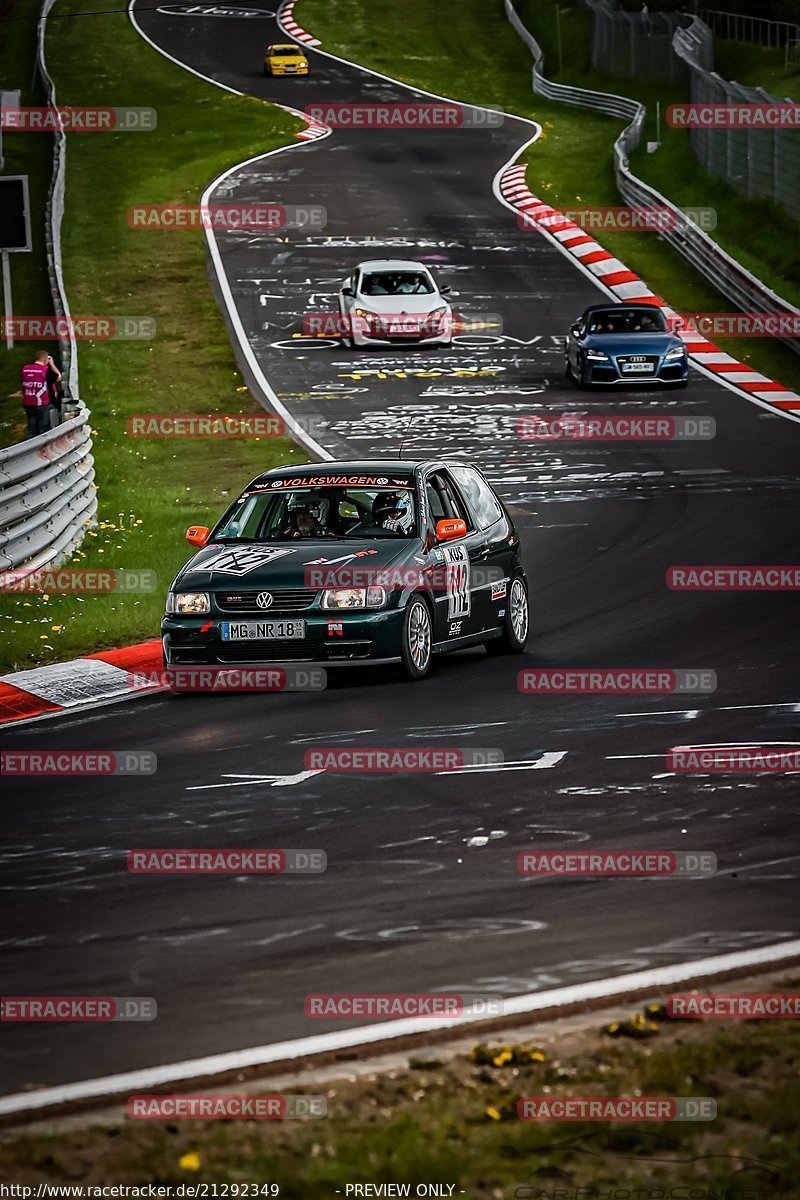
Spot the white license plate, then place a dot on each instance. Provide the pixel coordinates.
(261, 631)
(638, 368)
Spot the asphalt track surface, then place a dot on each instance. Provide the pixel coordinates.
(421, 891)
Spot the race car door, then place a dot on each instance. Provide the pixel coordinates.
(460, 607)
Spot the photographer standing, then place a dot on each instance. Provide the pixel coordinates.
(40, 397)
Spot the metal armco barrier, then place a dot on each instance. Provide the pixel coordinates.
(47, 493)
(741, 287)
(47, 496)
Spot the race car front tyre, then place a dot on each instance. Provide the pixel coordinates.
(417, 645)
(516, 622)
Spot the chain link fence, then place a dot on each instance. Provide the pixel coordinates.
(635, 45)
(755, 161)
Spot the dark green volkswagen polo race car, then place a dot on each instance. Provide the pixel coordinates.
(351, 562)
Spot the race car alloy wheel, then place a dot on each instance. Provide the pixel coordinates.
(417, 639)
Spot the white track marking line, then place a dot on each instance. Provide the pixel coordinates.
(668, 712)
(548, 759)
(253, 780)
(653, 980)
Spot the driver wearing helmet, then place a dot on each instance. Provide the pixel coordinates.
(308, 515)
(394, 511)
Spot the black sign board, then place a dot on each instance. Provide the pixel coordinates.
(15, 221)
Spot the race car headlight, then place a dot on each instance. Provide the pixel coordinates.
(438, 314)
(372, 597)
(597, 355)
(362, 312)
(188, 603)
(676, 352)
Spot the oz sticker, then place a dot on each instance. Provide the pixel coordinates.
(458, 579)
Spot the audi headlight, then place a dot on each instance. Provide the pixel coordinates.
(188, 604)
(362, 312)
(597, 355)
(372, 597)
(676, 352)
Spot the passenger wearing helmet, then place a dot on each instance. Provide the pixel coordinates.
(394, 511)
(308, 515)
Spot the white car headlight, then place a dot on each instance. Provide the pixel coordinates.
(373, 597)
(188, 603)
(597, 355)
(676, 352)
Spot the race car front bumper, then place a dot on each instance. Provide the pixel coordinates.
(330, 637)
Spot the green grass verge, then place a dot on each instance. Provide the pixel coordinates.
(757, 66)
(149, 491)
(455, 1123)
(28, 154)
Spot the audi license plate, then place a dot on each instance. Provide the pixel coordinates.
(634, 368)
(261, 631)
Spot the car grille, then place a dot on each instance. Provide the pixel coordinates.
(297, 650)
(283, 600)
(644, 364)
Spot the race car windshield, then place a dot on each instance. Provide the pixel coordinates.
(396, 283)
(289, 51)
(627, 320)
(321, 513)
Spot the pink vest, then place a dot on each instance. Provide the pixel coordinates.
(34, 385)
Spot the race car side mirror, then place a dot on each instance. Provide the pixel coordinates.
(348, 291)
(197, 535)
(575, 330)
(678, 323)
(450, 529)
(445, 291)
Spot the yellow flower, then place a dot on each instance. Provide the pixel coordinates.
(504, 1056)
(493, 1113)
(55, 628)
(189, 1162)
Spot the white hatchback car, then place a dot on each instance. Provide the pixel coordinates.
(387, 300)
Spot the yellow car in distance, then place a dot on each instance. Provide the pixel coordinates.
(285, 59)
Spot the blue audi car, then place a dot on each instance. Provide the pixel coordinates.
(626, 343)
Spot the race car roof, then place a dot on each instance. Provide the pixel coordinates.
(371, 466)
(392, 264)
(612, 306)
